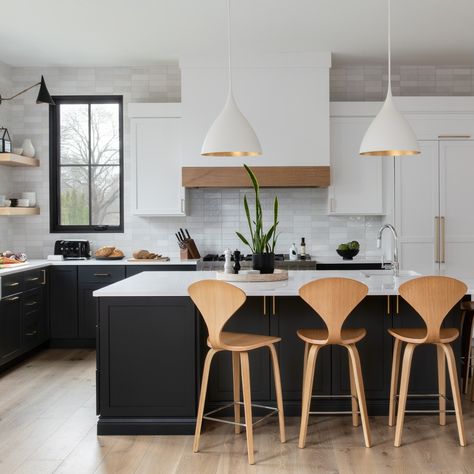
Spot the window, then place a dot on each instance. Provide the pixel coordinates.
(86, 164)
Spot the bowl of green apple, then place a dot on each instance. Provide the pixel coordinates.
(348, 250)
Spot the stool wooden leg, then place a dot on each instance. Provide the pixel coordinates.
(278, 392)
(397, 348)
(244, 361)
(359, 383)
(236, 377)
(307, 391)
(355, 406)
(202, 398)
(453, 377)
(441, 384)
(402, 400)
(466, 331)
(305, 360)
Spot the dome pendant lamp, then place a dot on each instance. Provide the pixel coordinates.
(231, 133)
(389, 134)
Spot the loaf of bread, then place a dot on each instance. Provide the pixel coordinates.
(117, 253)
(104, 251)
(141, 254)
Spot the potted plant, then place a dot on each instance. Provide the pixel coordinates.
(261, 243)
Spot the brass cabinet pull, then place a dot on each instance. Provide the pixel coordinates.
(11, 285)
(32, 279)
(101, 274)
(273, 306)
(31, 303)
(388, 304)
(397, 302)
(443, 240)
(13, 298)
(31, 333)
(436, 249)
(44, 277)
(264, 305)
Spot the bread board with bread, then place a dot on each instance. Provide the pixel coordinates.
(109, 252)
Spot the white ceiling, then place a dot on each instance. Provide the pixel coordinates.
(142, 32)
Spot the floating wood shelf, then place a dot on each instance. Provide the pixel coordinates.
(19, 211)
(268, 177)
(11, 159)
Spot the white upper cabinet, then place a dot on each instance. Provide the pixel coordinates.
(156, 160)
(356, 181)
(285, 98)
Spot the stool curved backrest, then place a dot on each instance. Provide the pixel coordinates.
(432, 297)
(217, 301)
(333, 299)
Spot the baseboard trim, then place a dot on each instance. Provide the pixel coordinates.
(145, 426)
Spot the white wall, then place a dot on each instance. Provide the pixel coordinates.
(214, 214)
(5, 90)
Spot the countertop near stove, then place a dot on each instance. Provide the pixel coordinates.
(42, 263)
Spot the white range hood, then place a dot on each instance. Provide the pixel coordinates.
(285, 97)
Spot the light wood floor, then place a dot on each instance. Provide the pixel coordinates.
(47, 424)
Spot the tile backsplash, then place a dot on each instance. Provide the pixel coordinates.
(214, 215)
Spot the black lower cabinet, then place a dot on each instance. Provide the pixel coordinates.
(63, 304)
(147, 367)
(251, 318)
(24, 317)
(10, 328)
(135, 269)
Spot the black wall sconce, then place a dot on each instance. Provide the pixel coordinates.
(43, 94)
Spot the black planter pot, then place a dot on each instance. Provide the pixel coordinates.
(265, 262)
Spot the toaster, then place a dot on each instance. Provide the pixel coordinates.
(73, 249)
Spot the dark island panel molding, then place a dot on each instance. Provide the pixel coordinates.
(268, 177)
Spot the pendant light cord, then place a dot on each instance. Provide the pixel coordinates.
(389, 49)
(229, 49)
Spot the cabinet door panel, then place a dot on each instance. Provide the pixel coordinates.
(251, 319)
(88, 309)
(10, 328)
(293, 314)
(416, 208)
(356, 180)
(63, 302)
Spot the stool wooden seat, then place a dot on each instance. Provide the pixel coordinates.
(467, 326)
(432, 297)
(217, 302)
(237, 341)
(333, 299)
(418, 335)
(320, 336)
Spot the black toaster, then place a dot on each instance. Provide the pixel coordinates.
(73, 249)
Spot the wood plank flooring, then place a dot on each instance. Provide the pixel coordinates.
(47, 424)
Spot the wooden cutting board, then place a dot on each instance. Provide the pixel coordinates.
(149, 260)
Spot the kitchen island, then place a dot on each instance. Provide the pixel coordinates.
(151, 342)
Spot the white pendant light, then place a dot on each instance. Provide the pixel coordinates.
(389, 134)
(231, 133)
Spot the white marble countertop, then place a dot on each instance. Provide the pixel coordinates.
(176, 283)
(42, 263)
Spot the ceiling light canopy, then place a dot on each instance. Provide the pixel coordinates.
(231, 133)
(389, 134)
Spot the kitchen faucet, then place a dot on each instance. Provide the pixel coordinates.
(395, 265)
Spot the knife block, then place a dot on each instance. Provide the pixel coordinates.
(190, 250)
(184, 254)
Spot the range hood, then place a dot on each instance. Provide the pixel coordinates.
(286, 99)
(268, 177)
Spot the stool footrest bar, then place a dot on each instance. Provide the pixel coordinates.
(253, 405)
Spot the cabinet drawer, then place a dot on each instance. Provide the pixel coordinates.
(31, 328)
(101, 274)
(31, 301)
(11, 284)
(34, 279)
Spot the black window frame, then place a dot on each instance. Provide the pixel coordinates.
(54, 164)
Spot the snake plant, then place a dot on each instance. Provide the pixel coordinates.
(259, 241)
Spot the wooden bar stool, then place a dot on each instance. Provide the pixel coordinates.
(467, 325)
(218, 301)
(432, 297)
(333, 299)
